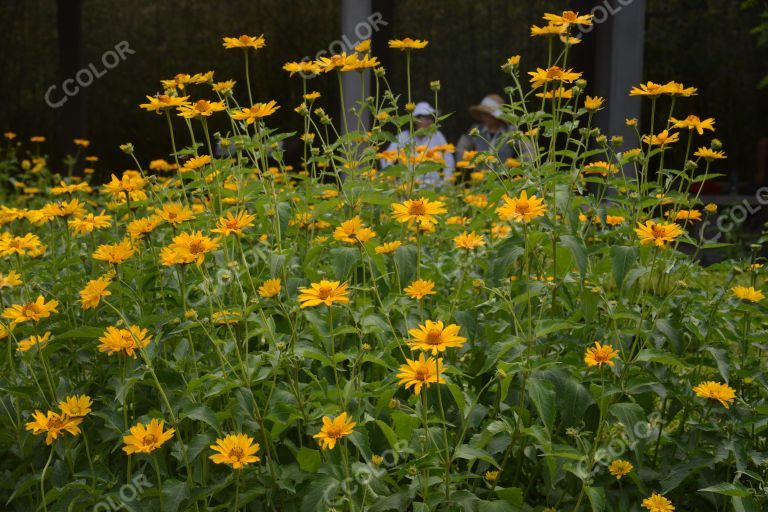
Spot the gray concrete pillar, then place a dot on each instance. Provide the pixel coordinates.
(355, 26)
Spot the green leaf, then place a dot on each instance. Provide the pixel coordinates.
(542, 394)
(578, 250)
(174, 493)
(405, 262)
(202, 413)
(308, 459)
(630, 415)
(596, 497)
(623, 258)
(343, 260)
(727, 489)
(467, 452)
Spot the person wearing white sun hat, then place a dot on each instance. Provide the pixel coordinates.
(491, 130)
(426, 135)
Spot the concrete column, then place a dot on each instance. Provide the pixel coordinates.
(355, 26)
(620, 33)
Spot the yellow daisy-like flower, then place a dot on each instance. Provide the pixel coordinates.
(662, 139)
(334, 429)
(174, 213)
(91, 295)
(86, 224)
(649, 89)
(10, 279)
(421, 372)
(553, 74)
(124, 341)
(712, 390)
(693, 122)
(324, 292)
(421, 210)
(747, 293)
(201, 108)
(34, 341)
(139, 228)
(568, 18)
(614, 220)
(435, 337)
(388, 247)
(658, 503)
(34, 311)
(600, 355)
(620, 468)
(420, 289)
(234, 224)
(237, 450)
(305, 67)
(21, 245)
(468, 240)
(163, 102)
(188, 248)
(709, 154)
(657, 233)
(196, 162)
(353, 231)
(270, 288)
(521, 209)
(686, 215)
(147, 438)
(245, 42)
(76, 406)
(224, 87)
(678, 89)
(407, 44)
(115, 253)
(593, 103)
(549, 30)
(257, 111)
(53, 425)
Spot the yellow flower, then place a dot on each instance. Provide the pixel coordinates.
(748, 294)
(334, 429)
(620, 468)
(421, 210)
(686, 215)
(147, 438)
(407, 44)
(34, 341)
(53, 425)
(353, 231)
(125, 341)
(468, 240)
(658, 503)
(35, 311)
(224, 87)
(270, 288)
(420, 372)
(694, 123)
(174, 213)
(711, 208)
(163, 102)
(662, 139)
(388, 247)
(20, 245)
(678, 89)
(85, 225)
(188, 248)
(139, 228)
(558, 93)
(91, 295)
(420, 289)
(244, 42)
(304, 67)
(521, 209)
(650, 89)
(709, 154)
(237, 450)
(115, 253)
(657, 233)
(234, 223)
(257, 111)
(600, 355)
(201, 108)
(76, 406)
(614, 220)
(593, 103)
(10, 279)
(549, 30)
(324, 292)
(723, 393)
(568, 18)
(491, 476)
(434, 337)
(363, 46)
(553, 74)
